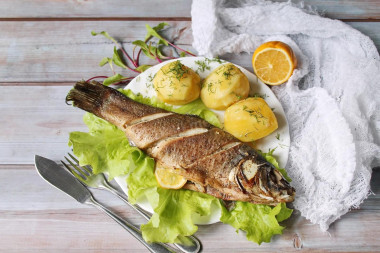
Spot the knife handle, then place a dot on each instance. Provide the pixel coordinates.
(135, 232)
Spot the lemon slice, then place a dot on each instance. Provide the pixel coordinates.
(167, 179)
(274, 62)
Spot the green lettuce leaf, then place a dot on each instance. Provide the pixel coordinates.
(284, 213)
(173, 214)
(104, 147)
(260, 222)
(142, 179)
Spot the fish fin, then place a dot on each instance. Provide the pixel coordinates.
(87, 96)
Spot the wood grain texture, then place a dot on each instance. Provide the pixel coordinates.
(66, 51)
(346, 9)
(36, 217)
(94, 8)
(36, 120)
(338, 9)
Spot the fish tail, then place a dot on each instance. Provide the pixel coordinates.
(88, 96)
(108, 103)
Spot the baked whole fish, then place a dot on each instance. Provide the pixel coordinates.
(212, 160)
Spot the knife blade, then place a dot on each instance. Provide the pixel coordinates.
(61, 179)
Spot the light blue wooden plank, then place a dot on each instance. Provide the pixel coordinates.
(346, 9)
(339, 9)
(65, 51)
(371, 29)
(94, 8)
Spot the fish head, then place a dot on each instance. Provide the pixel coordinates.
(260, 179)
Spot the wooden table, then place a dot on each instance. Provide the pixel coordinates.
(45, 46)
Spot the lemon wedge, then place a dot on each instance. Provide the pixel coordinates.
(167, 179)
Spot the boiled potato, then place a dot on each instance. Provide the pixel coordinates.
(224, 86)
(250, 119)
(177, 84)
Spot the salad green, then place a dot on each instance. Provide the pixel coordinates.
(106, 149)
(148, 47)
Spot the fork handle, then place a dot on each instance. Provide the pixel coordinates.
(123, 198)
(135, 232)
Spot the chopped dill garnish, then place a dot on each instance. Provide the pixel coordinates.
(210, 88)
(278, 136)
(202, 66)
(177, 69)
(254, 113)
(282, 145)
(149, 81)
(150, 78)
(148, 84)
(258, 95)
(216, 59)
(227, 73)
(237, 95)
(271, 150)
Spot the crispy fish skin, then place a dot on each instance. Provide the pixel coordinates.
(145, 133)
(212, 160)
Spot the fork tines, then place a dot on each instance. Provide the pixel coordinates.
(80, 172)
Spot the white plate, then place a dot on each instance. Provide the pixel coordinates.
(279, 139)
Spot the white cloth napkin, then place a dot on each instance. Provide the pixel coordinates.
(332, 101)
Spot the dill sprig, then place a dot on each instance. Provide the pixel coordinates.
(210, 88)
(177, 69)
(227, 73)
(255, 113)
(236, 95)
(217, 59)
(258, 95)
(202, 66)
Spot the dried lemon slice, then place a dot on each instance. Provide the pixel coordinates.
(167, 179)
(274, 62)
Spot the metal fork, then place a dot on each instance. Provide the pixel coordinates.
(98, 181)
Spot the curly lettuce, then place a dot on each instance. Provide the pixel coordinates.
(260, 222)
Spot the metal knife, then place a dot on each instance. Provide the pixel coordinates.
(64, 181)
